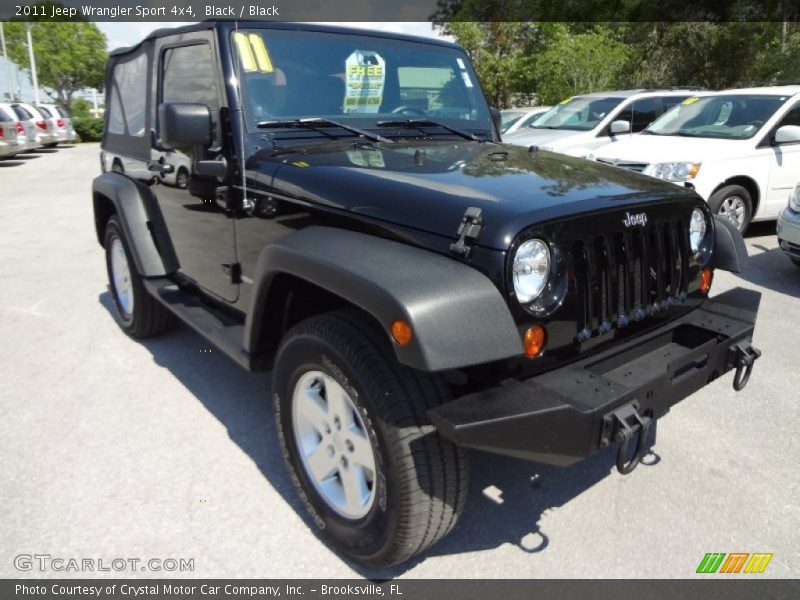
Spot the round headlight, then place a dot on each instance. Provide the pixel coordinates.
(531, 270)
(697, 229)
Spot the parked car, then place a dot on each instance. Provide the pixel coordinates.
(47, 131)
(581, 124)
(789, 227)
(9, 133)
(417, 287)
(513, 119)
(58, 122)
(739, 149)
(29, 137)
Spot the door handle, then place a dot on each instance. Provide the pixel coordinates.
(162, 168)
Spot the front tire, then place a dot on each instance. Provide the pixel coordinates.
(140, 315)
(351, 419)
(734, 203)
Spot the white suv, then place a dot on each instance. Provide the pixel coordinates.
(739, 149)
(581, 124)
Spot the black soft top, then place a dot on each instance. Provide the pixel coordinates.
(206, 25)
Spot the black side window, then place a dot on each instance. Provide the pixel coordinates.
(792, 117)
(128, 97)
(644, 112)
(188, 76)
(22, 114)
(44, 111)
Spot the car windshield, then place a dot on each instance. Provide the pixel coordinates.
(508, 118)
(728, 116)
(356, 80)
(580, 113)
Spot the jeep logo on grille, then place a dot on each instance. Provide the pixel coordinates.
(633, 220)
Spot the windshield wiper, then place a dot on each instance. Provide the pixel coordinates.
(317, 124)
(418, 124)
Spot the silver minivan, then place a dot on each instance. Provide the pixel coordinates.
(29, 137)
(9, 128)
(60, 120)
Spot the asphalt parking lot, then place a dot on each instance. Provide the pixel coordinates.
(110, 448)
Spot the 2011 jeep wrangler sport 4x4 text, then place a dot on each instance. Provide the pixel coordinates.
(335, 205)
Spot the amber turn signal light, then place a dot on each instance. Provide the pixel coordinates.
(705, 280)
(401, 332)
(534, 341)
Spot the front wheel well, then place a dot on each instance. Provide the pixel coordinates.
(289, 301)
(747, 183)
(104, 209)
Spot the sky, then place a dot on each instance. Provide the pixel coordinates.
(128, 34)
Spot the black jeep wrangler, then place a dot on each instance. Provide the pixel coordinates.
(347, 217)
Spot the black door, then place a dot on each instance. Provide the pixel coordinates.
(202, 233)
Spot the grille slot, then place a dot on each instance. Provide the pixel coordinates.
(629, 275)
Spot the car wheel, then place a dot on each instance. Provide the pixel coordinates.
(375, 476)
(796, 261)
(734, 203)
(182, 178)
(140, 314)
(51, 145)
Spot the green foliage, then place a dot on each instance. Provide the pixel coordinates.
(80, 107)
(559, 59)
(579, 63)
(69, 55)
(88, 129)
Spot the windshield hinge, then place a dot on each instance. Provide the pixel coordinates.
(469, 230)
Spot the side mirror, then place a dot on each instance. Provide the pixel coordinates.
(620, 127)
(497, 118)
(787, 134)
(182, 124)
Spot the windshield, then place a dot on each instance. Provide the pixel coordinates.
(734, 116)
(580, 113)
(356, 80)
(508, 118)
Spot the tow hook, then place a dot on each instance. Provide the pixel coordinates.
(743, 356)
(621, 426)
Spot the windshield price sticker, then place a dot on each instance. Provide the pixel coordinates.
(365, 78)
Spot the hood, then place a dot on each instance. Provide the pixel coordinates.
(539, 137)
(650, 149)
(428, 187)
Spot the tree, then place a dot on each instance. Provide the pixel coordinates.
(502, 54)
(578, 63)
(69, 56)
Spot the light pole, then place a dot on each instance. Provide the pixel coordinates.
(6, 61)
(33, 64)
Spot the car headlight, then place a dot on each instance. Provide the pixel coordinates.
(697, 229)
(531, 270)
(794, 198)
(673, 171)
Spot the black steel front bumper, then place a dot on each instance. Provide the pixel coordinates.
(565, 415)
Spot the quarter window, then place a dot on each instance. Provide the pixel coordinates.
(644, 112)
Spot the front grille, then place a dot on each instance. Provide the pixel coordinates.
(628, 275)
(631, 166)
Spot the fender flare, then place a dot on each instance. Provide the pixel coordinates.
(730, 252)
(141, 222)
(458, 316)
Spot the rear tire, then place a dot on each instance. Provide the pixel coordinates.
(796, 261)
(734, 203)
(414, 486)
(140, 315)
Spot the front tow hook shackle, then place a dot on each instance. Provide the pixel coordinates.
(743, 357)
(626, 423)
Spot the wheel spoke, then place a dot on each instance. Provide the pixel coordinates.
(338, 402)
(362, 453)
(321, 463)
(312, 407)
(355, 488)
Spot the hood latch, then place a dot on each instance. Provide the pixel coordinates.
(469, 230)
